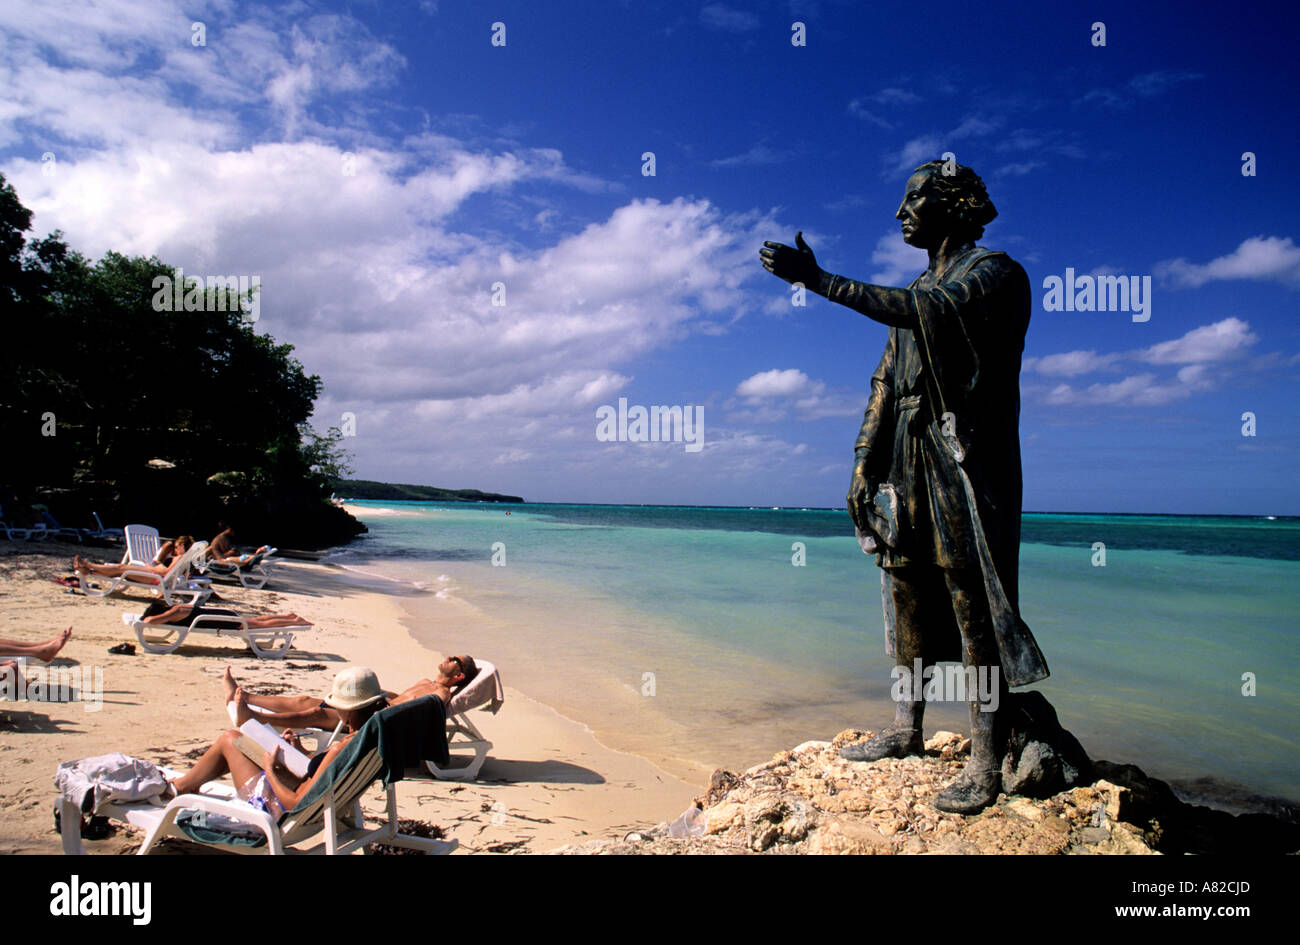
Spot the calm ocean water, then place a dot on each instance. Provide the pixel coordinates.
(689, 635)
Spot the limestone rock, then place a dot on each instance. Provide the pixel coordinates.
(809, 800)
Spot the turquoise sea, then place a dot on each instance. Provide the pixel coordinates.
(692, 636)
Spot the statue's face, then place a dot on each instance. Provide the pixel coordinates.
(925, 219)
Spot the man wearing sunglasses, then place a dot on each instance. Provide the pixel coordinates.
(454, 673)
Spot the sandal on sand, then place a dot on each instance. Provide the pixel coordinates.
(123, 649)
(66, 581)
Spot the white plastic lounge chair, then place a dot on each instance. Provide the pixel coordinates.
(142, 544)
(175, 586)
(337, 806)
(272, 644)
(484, 691)
(252, 574)
(102, 533)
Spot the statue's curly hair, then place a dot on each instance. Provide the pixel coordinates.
(964, 195)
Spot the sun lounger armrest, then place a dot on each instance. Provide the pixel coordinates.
(234, 809)
(141, 577)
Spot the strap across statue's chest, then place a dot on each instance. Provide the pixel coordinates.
(908, 367)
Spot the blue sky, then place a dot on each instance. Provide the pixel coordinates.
(382, 165)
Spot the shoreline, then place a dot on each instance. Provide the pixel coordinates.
(548, 780)
(538, 614)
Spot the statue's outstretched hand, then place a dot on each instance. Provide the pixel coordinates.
(791, 263)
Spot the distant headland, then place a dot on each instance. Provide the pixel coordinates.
(404, 492)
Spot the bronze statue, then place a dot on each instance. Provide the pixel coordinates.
(936, 485)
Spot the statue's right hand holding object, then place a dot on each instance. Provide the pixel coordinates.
(859, 494)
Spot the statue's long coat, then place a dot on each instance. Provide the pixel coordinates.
(941, 428)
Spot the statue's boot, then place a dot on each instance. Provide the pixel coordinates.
(980, 783)
(890, 743)
(971, 792)
(901, 739)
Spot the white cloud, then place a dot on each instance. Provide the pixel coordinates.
(774, 383)
(1259, 257)
(757, 156)
(859, 110)
(1221, 341)
(719, 17)
(916, 152)
(1217, 344)
(1018, 169)
(899, 263)
(1140, 390)
(384, 291)
(1070, 363)
(894, 96)
(770, 393)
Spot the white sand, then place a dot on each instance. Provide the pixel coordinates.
(550, 777)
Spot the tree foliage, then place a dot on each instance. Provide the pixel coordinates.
(89, 358)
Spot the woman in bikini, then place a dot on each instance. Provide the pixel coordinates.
(176, 549)
(159, 612)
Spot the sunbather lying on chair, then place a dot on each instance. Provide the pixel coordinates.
(355, 697)
(159, 613)
(178, 549)
(454, 673)
(222, 549)
(169, 551)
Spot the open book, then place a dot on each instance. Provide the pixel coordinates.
(264, 739)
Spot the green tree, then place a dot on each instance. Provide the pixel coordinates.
(127, 382)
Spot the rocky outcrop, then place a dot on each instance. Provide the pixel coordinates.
(809, 800)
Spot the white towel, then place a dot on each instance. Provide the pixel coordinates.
(484, 690)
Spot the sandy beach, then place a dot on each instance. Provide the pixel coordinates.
(550, 778)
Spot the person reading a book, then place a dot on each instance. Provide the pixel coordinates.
(270, 786)
(454, 673)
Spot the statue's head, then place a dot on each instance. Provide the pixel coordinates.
(938, 205)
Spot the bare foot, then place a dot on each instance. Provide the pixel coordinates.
(46, 651)
(231, 686)
(79, 565)
(242, 712)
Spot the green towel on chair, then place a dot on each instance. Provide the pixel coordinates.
(405, 735)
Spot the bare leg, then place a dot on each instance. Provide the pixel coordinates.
(82, 566)
(222, 758)
(282, 711)
(272, 621)
(40, 651)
